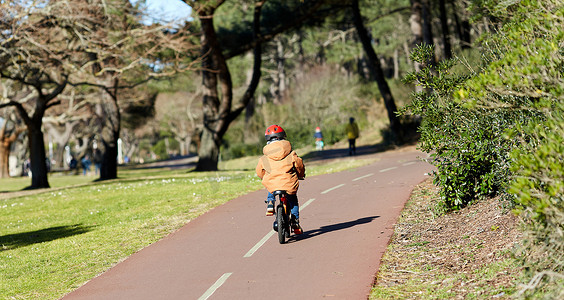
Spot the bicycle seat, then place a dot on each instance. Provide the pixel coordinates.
(279, 192)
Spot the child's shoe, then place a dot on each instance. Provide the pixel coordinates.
(297, 228)
(270, 209)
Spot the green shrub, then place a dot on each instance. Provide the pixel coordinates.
(236, 150)
(160, 148)
(468, 144)
(525, 71)
(539, 192)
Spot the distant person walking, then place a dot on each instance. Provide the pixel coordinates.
(97, 161)
(86, 164)
(73, 165)
(319, 144)
(352, 135)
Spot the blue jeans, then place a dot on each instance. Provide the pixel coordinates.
(292, 203)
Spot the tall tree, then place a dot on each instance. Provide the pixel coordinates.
(35, 52)
(377, 71)
(462, 27)
(445, 31)
(123, 54)
(218, 108)
(426, 17)
(99, 43)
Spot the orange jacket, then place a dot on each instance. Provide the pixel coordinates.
(280, 167)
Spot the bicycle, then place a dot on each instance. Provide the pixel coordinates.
(282, 224)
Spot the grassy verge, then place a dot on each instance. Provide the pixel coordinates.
(55, 240)
(461, 255)
(56, 181)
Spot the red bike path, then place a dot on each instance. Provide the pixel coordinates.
(231, 252)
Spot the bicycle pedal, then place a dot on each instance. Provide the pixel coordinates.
(298, 231)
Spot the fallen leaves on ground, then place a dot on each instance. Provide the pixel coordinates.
(455, 255)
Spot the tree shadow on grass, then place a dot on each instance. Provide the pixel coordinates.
(13, 241)
(333, 227)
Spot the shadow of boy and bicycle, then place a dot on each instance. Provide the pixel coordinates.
(331, 228)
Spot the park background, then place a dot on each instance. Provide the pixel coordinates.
(481, 80)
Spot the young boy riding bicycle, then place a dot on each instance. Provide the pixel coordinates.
(280, 168)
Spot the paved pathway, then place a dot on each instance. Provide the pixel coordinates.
(231, 251)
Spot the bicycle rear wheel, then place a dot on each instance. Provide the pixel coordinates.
(281, 224)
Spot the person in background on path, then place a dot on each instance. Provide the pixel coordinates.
(318, 139)
(73, 164)
(280, 168)
(85, 164)
(352, 135)
(97, 161)
(26, 168)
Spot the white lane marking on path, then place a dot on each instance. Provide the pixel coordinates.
(388, 169)
(306, 204)
(215, 286)
(333, 188)
(259, 244)
(362, 177)
(408, 163)
(271, 233)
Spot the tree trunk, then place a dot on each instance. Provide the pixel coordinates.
(214, 73)
(427, 17)
(37, 155)
(416, 22)
(108, 170)
(208, 154)
(406, 51)
(376, 69)
(4, 159)
(396, 64)
(301, 55)
(281, 71)
(416, 25)
(219, 112)
(444, 26)
(462, 28)
(6, 140)
(110, 135)
(35, 135)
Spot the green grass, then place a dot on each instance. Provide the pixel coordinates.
(55, 181)
(54, 241)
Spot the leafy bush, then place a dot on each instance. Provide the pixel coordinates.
(530, 63)
(539, 191)
(160, 148)
(468, 144)
(524, 72)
